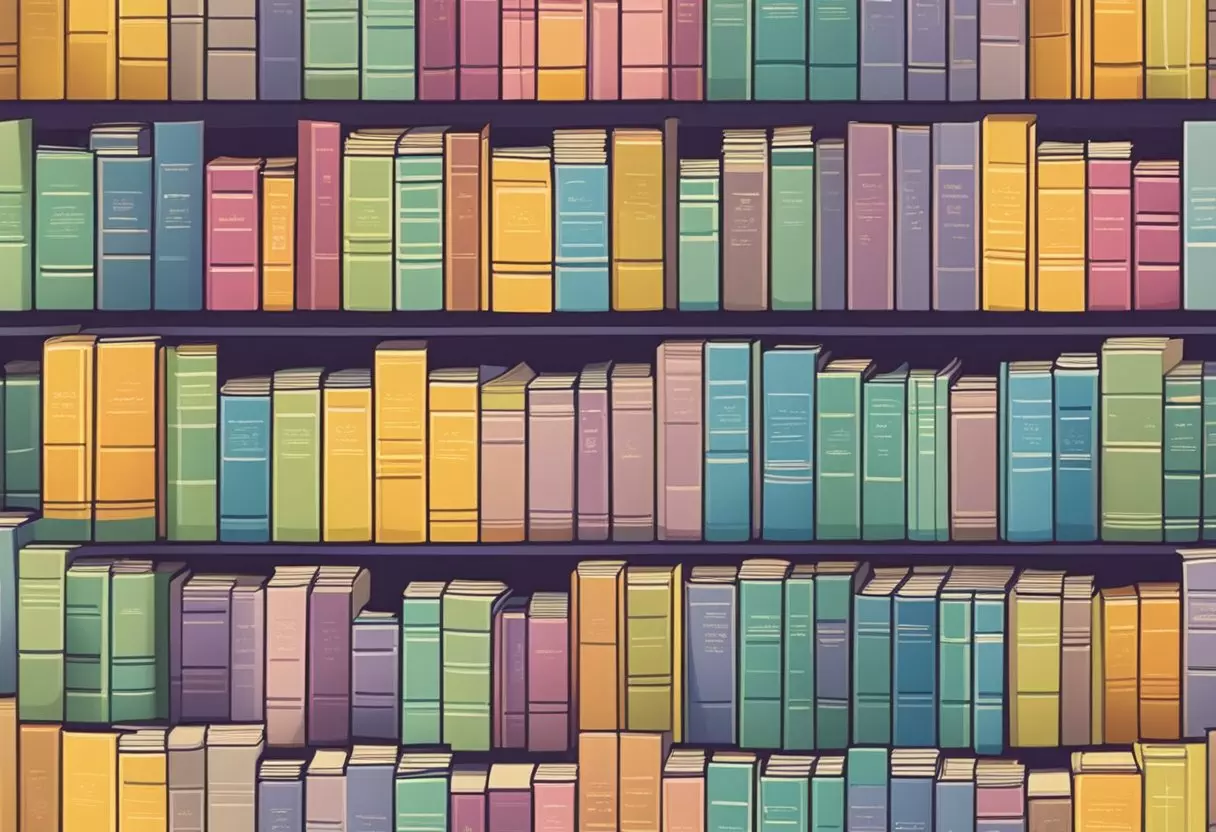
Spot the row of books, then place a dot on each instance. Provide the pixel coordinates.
(217, 777)
(960, 216)
(575, 50)
(716, 440)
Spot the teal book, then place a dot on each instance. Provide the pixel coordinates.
(914, 658)
(192, 442)
(798, 644)
(954, 651)
(838, 448)
(868, 784)
(1182, 454)
(331, 50)
(22, 435)
(1026, 412)
(42, 571)
(942, 382)
(86, 644)
(785, 794)
(169, 581)
(582, 208)
(295, 508)
(921, 472)
(788, 387)
(728, 50)
(792, 198)
(1076, 447)
(700, 226)
(731, 463)
(124, 215)
(730, 792)
(467, 648)
(133, 625)
(1198, 215)
(836, 583)
(422, 790)
(16, 530)
(16, 214)
(389, 66)
(884, 455)
(421, 665)
(368, 220)
(828, 795)
(761, 593)
(988, 645)
(66, 229)
(1209, 450)
(418, 220)
(873, 623)
(780, 60)
(832, 50)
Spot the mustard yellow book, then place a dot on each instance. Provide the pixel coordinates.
(1107, 792)
(637, 220)
(1175, 50)
(279, 235)
(92, 50)
(1035, 622)
(90, 781)
(9, 24)
(346, 498)
(1051, 48)
(399, 390)
(561, 51)
(1197, 776)
(1118, 49)
(143, 791)
(127, 423)
(1097, 674)
(68, 366)
(1061, 227)
(41, 758)
(9, 772)
(1083, 47)
(143, 50)
(454, 452)
(653, 650)
(521, 249)
(597, 641)
(1175, 786)
(40, 34)
(1009, 184)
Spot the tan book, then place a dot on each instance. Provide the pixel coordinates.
(680, 458)
(631, 390)
(504, 471)
(287, 600)
(551, 450)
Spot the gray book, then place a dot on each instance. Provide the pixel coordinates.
(711, 601)
(913, 218)
(831, 235)
(375, 703)
(1002, 50)
(369, 788)
(955, 795)
(956, 217)
(927, 50)
(186, 45)
(963, 50)
(1199, 636)
(187, 769)
(248, 649)
(882, 50)
(232, 50)
(281, 796)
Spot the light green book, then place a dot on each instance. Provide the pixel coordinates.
(296, 463)
(728, 50)
(838, 447)
(792, 213)
(798, 643)
(761, 592)
(730, 792)
(700, 233)
(423, 786)
(469, 608)
(331, 50)
(1182, 454)
(421, 665)
(1132, 374)
(651, 594)
(367, 220)
(16, 214)
(170, 579)
(389, 69)
(921, 473)
(884, 455)
(942, 382)
(828, 795)
(87, 641)
(191, 458)
(133, 627)
(23, 434)
(16, 530)
(954, 664)
(785, 794)
(418, 209)
(66, 228)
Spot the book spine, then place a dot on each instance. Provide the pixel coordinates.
(23, 441)
(551, 447)
(64, 244)
(871, 688)
(1002, 50)
(963, 51)
(318, 217)
(582, 238)
(792, 228)
(369, 798)
(286, 663)
(1029, 451)
(884, 454)
(133, 649)
(867, 789)
(280, 806)
(955, 215)
(512, 707)
(927, 49)
(710, 615)
(914, 220)
(594, 438)
(519, 50)
(206, 655)
(644, 61)
(911, 803)
(1076, 443)
(418, 250)
(177, 244)
(728, 456)
(1076, 668)
(788, 502)
(883, 60)
(922, 460)
(833, 674)
(479, 49)
(1198, 216)
(955, 807)
(248, 656)
(832, 53)
(780, 57)
(1110, 235)
(954, 660)
(187, 48)
(760, 671)
(232, 50)
(798, 665)
(278, 242)
(245, 469)
(421, 670)
(124, 234)
(437, 30)
(329, 625)
(838, 446)
(728, 50)
(87, 646)
(369, 184)
(871, 220)
(295, 476)
(41, 26)
(1208, 524)
(687, 50)
(914, 658)
(1158, 202)
(233, 253)
(973, 464)
(700, 227)
(331, 50)
(632, 465)
(988, 676)
(548, 677)
(91, 53)
(1131, 462)
(1182, 458)
(465, 254)
(604, 58)
(17, 204)
(375, 698)
(745, 255)
(1198, 680)
(389, 69)
(279, 45)
(831, 230)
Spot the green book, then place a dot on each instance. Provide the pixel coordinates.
(171, 577)
(798, 640)
(730, 792)
(1182, 454)
(296, 464)
(832, 49)
(87, 641)
(728, 50)
(469, 608)
(133, 623)
(1209, 450)
(838, 448)
(367, 220)
(828, 795)
(389, 71)
(780, 68)
(873, 632)
(23, 435)
(761, 592)
(700, 225)
(421, 664)
(921, 474)
(65, 228)
(785, 794)
(836, 582)
(16, 530)
(331, 50)
(867, 783)
(954, 663)
(942, 382)
(16, 214)
(191, 458)
(418, 208)
(651, 595)
(792, 211)
(1132, 374)
(884, 456)
(422, 788)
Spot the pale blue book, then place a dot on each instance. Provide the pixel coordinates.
(788, 386)
(1028, 470)
(731, 370)
(1198, 215)
(580, 164)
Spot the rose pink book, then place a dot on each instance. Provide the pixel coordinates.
(548, 672)
(644, 62)
(1000, 794)
(479, 49)
(1110, 231)
(594, 442)
(973, 459)
(605, 58)
(632, 393)
(871, 217)
(687, 50)
(510, 671)
(681, 453)
(287, 653)
(683, 800)
(233, 223)
(551, 450)
(1157, 197)
(519, 50)
(510, 797)
(553, 796)
(318, 217)
(437, 50)
(468, 799)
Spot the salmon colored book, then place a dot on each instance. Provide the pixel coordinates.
(597, 597)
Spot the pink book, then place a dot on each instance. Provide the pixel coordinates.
(519, 50)
(479, 49)
(632, 392)
(605, 53)
(1109, 175)
(594, 442)
(548, 672)
(1157, 193)
(553, 796)
(233, 261)
(687, 51)
(871, 217)
(551, 449)
(510, 797)
(318, 217)
(437, 50)
(509, 728)
(680, 436)
(1000, 794)
(468, 800)
(644, 61)
(287, 653)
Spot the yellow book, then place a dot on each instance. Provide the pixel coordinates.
(1061, 227)
(1083, 47)
(521, 278)
(127, 425)
(347, 470)
(68, 364)
(1107, 792)
(1118, 49)
(597, 639)
(1197, 775)
(92, 50)
(1009, 230)
(1035, 622)
(399, 391)
(9, 24)
(653, 655)
(40, 35)
(41, 757)
(90, 781)
(1174, 58)
(143, 50)
(143, 792)
(279, 235)
(454, 452)
(9, 773)
(1051, 48)
(637, 220)
(1175, 786)
(561, 51)
(1097, 672)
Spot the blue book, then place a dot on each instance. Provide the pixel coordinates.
(988, 682)
(1198, 215)
(245, 420)
(798, 644)
(730, 463)
(1076, 447)
(279, 46)
(955, 794)
(761, 593)
(912, 774)
(1027, 461)
(867, 780)
(788, 504)
(828, 795)
(710, 610)
(835, 585)
(177, 243)
(915, 659)
(124, 215)
(369, 794)
(785, 794)
(280, 802)
(15, 531)
(581, 204)
(872, 620)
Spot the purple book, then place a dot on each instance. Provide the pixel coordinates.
(871, 238)
(1002, 50)
(963, 81)
(206, 648)
(510, 797)
(1198, 643)
(594, 453)
(374, 677)
(279, 47)
(882, 50)
(338, 596)
(511, 675)
(171, 580)
(831, 198)
(956, 248)
(248, 649)
(913, 237)
(687, 52)
(927, 50)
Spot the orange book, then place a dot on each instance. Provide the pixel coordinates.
(279, 235)
(684, 791)
(92, 50)
(561, 50)
(641, 777)
(1051, 47)
(1118, 49)
(1107, 789)
(9, 22)
(597, 595)
(143, 50)
(41, 754)
(1120, 622)
(9, 773)
(1160, 661)
(40, 27)
(598, 781)
(1083, 47)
